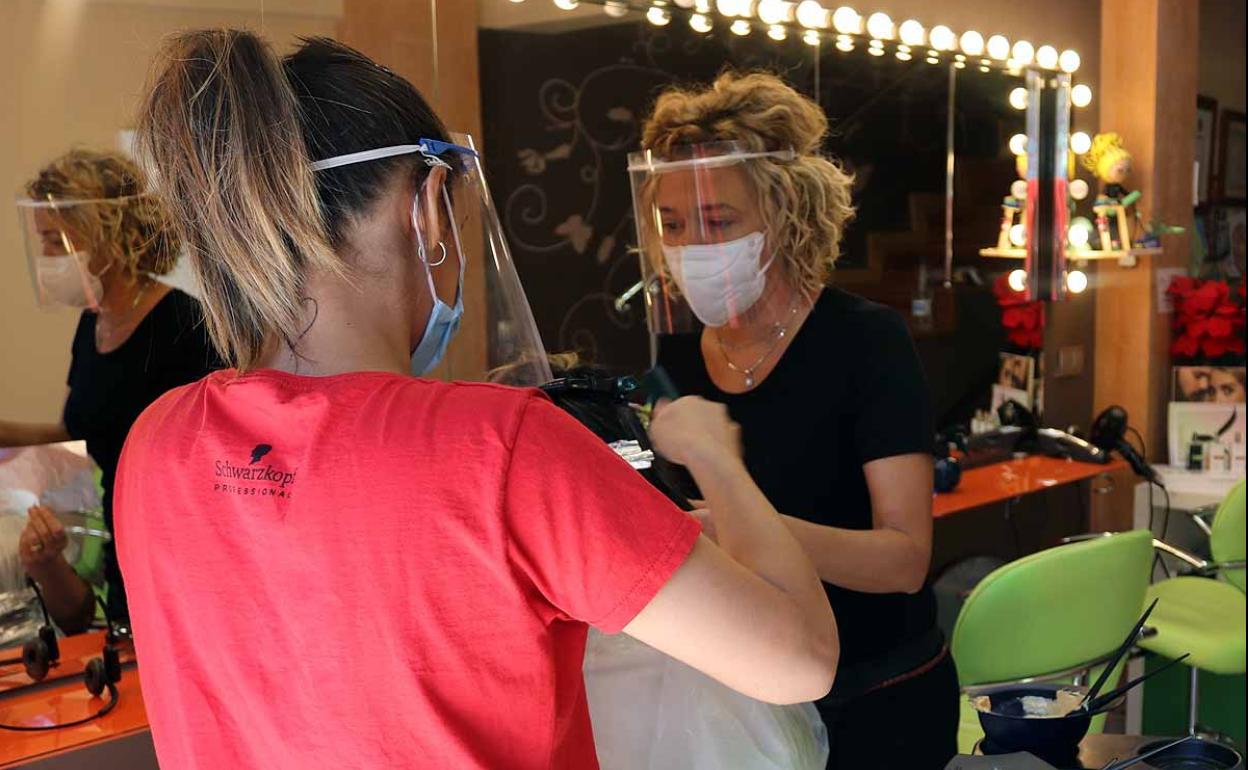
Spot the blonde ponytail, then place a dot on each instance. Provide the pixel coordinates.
(220, 134)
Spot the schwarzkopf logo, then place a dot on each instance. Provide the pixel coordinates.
(266, 480)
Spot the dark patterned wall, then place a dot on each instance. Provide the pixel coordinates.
(562, 111)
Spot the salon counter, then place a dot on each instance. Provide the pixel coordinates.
(119, 739)
(1004, 481)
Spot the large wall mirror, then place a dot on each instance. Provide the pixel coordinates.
(928, 140)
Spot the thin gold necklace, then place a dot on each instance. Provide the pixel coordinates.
(781, 330)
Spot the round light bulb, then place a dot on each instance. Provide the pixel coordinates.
(812, 15)
(1078, 189)
(811, 37)
(1018, 144)
(1076, 281)
(911, 32)
(657, 16)
(876, 51)
(615, 10)
(904, 56)
(729, 7)
(567, 5)
(1019, 189)
(846, 20)
(777, 32)
(880, 26)
(1080, 233)
(932, 58)
(773, 11)
(740, 27)
(700, 22)
(1018, 98)
(999, 47)
(942, 38)
(1017, 278)
(1068, 61)
(1023, 52)
(1081, 95)
(1080, 142)
(972, 43)
(844, 43)
(1046, 57)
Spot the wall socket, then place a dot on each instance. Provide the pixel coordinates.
(1069, 361)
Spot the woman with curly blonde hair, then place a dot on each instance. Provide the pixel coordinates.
(97, 241)
(741, 219)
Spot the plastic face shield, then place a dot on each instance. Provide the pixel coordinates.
(459, 236)
(60, 238)
(700, 232)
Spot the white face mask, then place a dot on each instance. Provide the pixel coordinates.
(67, 280)
(720, 280)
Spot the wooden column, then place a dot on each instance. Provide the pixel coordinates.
(1148, 95)
(433, 43)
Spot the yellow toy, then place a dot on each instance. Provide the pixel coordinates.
(1111, 163)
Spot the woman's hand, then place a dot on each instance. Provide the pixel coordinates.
(42, 541)
(691, 430)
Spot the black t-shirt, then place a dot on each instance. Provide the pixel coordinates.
(849, 390)
(108, 391)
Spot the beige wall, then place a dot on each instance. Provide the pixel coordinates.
(70, 74)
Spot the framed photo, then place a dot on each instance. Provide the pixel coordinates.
(1208, 384)
(1227, 240)
(1206, 122)
(1232, 177)
(1017, 372)
(1218, 428)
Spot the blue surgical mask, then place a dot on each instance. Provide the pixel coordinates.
(443, 322)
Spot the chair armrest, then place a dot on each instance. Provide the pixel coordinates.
(1191, 560)
(1197, 515)
(1085, 537)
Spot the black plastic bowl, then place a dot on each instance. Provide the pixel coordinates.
(1007, 729)
(1194, 755)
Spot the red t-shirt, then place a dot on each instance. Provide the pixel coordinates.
(374, 571)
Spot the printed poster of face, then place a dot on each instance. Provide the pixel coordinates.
(1209, 384)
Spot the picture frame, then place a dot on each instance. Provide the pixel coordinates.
(1232, 178)
(1227, 241)
(1017, 372)
(1206, 129)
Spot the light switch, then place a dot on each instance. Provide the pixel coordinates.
(1069, 361)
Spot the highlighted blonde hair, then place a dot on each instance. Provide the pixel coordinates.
(230, 133)
(121, 223)
(805, 203)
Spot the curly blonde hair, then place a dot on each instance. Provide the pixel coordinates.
(124, 223)
(805, 203)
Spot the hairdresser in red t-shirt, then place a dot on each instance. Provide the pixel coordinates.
(331, 563)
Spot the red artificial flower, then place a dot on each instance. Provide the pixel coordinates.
(1219, 327)
(1184, 346)
(1209, 318)
(1181, 286)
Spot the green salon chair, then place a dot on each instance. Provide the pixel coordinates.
(1056, 615)
(1203, 612)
